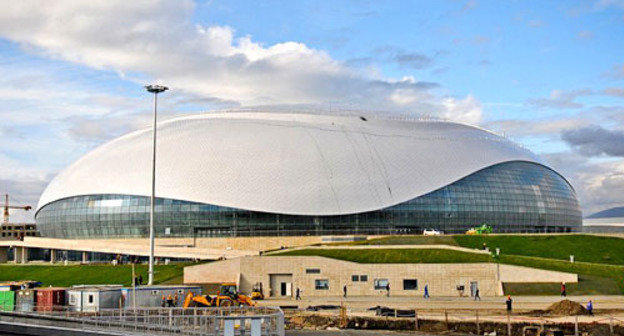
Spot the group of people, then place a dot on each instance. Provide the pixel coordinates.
(589, 306)
(138, 280)
(477, 296)
(169, 301)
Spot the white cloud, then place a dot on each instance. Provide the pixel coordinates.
(468, 110)
(158, 39)
(598, 184)
(560, 99)
(537, 127)
(52, 112)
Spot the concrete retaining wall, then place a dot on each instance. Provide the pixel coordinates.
(304, 271)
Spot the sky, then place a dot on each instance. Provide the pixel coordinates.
(549, 75)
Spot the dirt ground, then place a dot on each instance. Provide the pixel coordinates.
(520, 303)
(526, 309)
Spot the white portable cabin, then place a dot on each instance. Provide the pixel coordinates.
(93, 298)
(152, 296)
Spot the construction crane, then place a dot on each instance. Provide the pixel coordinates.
(7, 207)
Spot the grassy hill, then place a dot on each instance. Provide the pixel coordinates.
(393, 256)
(408, 240)
(594, 278)
(587, 248)
(64, 276)
(599, 261)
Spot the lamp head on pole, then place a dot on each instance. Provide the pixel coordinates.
(155, 89)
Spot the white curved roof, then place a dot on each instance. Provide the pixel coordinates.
(287, 163)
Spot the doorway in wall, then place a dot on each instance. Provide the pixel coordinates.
(281, 285)
(473, 288)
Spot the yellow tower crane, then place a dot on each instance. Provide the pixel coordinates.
(7, 207)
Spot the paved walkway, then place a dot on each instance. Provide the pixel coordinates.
(521, 303)
(129, 247)
(386, 247)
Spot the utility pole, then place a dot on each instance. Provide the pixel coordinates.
(155, 89)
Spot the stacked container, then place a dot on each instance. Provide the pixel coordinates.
(25, 300)
(50, 299)
(17, 295)
(7, 300)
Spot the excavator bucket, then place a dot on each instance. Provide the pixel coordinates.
(188, 299)
(202, 301)
(196, 301)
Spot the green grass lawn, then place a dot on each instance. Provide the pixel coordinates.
(394, 256)
(409, 240)
(588, 248)
(64, 276)
(587, 285)
(598, 278)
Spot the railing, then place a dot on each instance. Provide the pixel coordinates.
(222, 321)
(503, 323)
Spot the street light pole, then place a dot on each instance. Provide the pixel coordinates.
(155, 89)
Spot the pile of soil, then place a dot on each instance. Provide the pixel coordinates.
(310, 321)
(568, 308)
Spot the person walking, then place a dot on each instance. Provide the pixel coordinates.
(298, 294)
(426, 296)
(344, 291)
(477, 296)
(140, 280)
(590, 308)
(509, 302)
(388, 290)
(563, 289)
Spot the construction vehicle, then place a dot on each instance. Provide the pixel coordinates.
(227, 296)
(256, 292)
(7, 207)
(479, 230)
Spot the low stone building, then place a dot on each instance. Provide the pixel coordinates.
(319, 276)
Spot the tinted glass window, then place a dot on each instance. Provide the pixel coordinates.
(410, 284)
(511, 197)
(380, 283)
(322, 284)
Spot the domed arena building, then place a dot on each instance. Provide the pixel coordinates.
(277, 174)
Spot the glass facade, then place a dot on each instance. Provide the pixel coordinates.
(511, 197)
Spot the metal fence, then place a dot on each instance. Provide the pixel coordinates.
(502, 323)
(222, 321)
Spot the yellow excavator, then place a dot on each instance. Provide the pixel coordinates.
(227, 296)
(256, 292)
